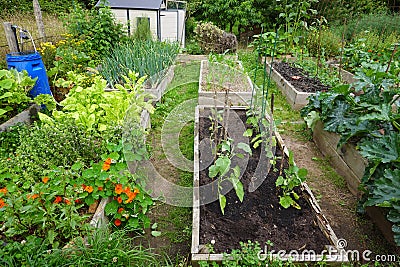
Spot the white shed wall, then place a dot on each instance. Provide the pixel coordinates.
(173, 26)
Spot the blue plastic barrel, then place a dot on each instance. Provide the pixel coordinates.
(33, 64)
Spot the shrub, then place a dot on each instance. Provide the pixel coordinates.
(97, 28)
(213, 39)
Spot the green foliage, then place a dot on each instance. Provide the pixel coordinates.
(9, 140)
(97, 28)
(100, 247)
(14, 88)
(213, 39)
(369, 49)
(368, 111)
(223, 170)
(148, 58)
(293, 17)
(250, 254)
(268, 44)
(321, 70)
(52, 7)
(293, 178)
(381, 23)
(97, 110)
(43, 146)
(227, 13)
(142, 31)
(324, 42)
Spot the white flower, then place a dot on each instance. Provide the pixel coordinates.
(115, 259)
(23, 242)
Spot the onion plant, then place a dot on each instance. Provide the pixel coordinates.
(148, 58)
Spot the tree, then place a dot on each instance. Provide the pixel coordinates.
(226, 13)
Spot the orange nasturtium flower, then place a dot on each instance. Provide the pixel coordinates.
(120, 210)
(132, 195)
(66, 201)
(106, 165)
(369, 50)
(88, 189)
(34, 196)
(3, 190)
(119, 199)
(100, 188)
(57, 200)
(2, 203)
(117, 222)
(118, 189)
(45, 179)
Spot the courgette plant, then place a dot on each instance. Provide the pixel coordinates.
(366, 112)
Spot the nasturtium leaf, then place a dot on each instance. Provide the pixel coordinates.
(302, 173)
(111, 207)
(77, 166)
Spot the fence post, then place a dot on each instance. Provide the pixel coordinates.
(11, 37)
(39, 20)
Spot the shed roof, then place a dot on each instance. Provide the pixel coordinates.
(134, 4)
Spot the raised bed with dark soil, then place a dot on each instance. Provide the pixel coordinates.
(299, 78)
(259, 217)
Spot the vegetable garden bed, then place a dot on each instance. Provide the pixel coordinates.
(296, 98)
(220, 83)
(260, 216)
(25, 116)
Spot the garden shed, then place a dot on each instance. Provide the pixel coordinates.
(166, 18)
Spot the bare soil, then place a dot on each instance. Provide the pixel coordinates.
(259, 217)
(299, 78)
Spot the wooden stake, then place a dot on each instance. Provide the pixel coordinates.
(39, 20)
(11, 38)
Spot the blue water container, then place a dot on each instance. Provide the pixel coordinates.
(34, 65)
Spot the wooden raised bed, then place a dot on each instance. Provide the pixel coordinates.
(25, 116)
(211, 90)
(199, 250)
(295, 98)
(349, 163)
(346, 160)
(159, 89)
